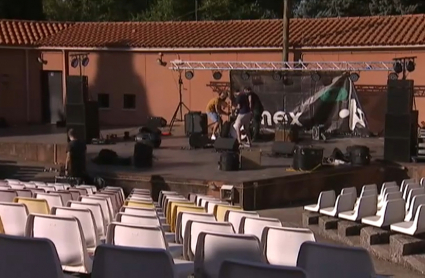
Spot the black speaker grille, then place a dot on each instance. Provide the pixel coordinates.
(400, 96)
(396, 149)
(75, 114)
(76, 89)
(398, 125)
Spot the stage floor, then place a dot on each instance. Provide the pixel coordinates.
(175, 160)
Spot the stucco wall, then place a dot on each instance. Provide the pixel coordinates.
(156, 87)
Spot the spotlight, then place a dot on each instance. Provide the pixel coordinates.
(393, 76)
(354, 77)
(398, 67)
(245, 75)
(217, 75)
(75, 62)
(410, 66)
(315, 76)
(189, 75)
(277, 76)
(85, 61)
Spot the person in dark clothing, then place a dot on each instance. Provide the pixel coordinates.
(244, 116)
(257, 110)
(75, 165)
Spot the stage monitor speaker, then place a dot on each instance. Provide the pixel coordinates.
(398, 149)
(283, 148)
(400, 96)
(226, 144)
(400, 125)
(143, 156)
(199, 141)
(76, 89)
(195, 122)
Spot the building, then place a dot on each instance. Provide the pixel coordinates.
(124, 74)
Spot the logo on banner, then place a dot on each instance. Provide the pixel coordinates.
(281, 116)
(357, 116)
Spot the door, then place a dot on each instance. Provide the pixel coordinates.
(52, 97)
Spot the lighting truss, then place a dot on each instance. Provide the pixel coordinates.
(282, 66)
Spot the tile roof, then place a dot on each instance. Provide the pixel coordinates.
(26, 33)
(326, 32)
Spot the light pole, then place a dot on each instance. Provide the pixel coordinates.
(285, 19)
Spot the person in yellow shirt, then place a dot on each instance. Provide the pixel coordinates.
(215, 110)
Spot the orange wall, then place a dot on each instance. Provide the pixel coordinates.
(156, 87)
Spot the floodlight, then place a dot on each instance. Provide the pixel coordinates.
(74, 62)
(398, 67)
(354, 77)
(410, 66)
(393, 76)
(85, 61)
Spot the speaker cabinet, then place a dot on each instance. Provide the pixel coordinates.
(76, 89)
(84, 119)
(226, 144)
(400, 96)
(398, 149)
(400, 125)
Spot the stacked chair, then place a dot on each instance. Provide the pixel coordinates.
(80, 230)
(400, 208)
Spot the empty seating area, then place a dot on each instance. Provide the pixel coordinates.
(55, 230)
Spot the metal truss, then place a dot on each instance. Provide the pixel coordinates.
(282, 66)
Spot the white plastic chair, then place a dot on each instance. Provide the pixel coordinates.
(209, 205)
(145, 221)
(281, 245)
(235, 217)
(139, 211)
(392, 212)
(350, 190)
(24, 257)
(407, 189)
(184, 217)
(194, 228)
(97, 212)
(17, 186)
(53, 199)
(323, 260)
(110, 262)
(417, 226)
(389, 196)
(88, 189)
(235, 269)
(412, 193)
(87, 221)
(255, 225)
(14, 218)
(75, 195)
(367, 206)
(389, 189)
(387, 184)
(344, 202)
(103, 202)
(134, 235)
(65, 195)
(27, 193)
(326, 199)
(405, 182)
(7, 195)
(416, 202)
(214, 248)
(67, 236)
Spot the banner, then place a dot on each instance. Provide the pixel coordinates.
(298, 100)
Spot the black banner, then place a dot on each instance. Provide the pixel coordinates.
(299, 100)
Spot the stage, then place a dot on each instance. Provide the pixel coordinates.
(176, 167)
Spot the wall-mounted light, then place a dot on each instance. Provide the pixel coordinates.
(160, 61)
(189, 74)
(41, 60)
(217, 75)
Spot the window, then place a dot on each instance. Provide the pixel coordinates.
(103, 100)
(129, 101)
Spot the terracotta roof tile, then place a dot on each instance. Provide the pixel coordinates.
(26, 33)
(354, 31)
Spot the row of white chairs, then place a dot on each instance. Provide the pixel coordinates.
(402, 208)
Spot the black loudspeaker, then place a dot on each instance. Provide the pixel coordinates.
(226, 144)
(307, 158)
(195, 122)
(142, 156)
(359, 155)
(400, 96)
(229, 161)
(283, 148)
(84, 119)
(401, 136)
(199, 141)
(156, 122)
(76, 89)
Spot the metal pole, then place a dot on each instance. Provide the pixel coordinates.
(196, 10)
(286, 17)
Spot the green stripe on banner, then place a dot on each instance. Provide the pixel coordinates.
(335, 94)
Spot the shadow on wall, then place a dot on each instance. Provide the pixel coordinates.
(118, 78)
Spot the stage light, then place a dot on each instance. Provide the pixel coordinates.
(277, 76)
(217, 75)
(189, 75)
(393, 76)
(398, 67)
(315, 76)
(85, 61)
(354, 77)
(75, 62)
(245, 75)
(410, 66)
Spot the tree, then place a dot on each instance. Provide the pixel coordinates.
(169, 10)
(21, 9)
